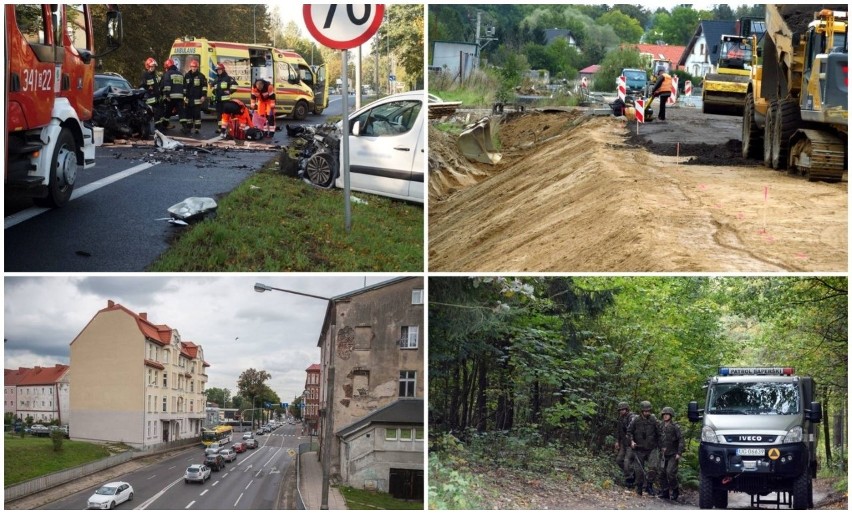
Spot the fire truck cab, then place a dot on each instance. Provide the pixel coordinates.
(49, 84)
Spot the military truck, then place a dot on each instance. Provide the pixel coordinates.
(758, 436)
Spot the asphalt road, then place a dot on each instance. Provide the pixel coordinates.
(113, 222)
(253, 481)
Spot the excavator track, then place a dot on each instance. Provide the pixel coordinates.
(817, 155)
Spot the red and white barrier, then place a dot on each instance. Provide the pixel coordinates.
(673, 98)
(640, 110)
(584, 83)
(687, 88)
(621, 84)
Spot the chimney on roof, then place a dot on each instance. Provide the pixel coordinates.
(110, 303)
(143, 315)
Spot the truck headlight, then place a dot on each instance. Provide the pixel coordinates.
(708, 435)
(794, 435)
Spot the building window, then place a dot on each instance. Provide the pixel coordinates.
(702, 49)
(418, 434)
(165, 379)
(192, 386)
(405, 434)
(166, 357)
(416, 297)
(191, 405)
(407, 384)
(165, 404)
(409, 337)
(390, 434)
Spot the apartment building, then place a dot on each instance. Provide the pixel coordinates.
(135, 381)
(43, 394)
(312, 398)
(372, 387)
(11, 378)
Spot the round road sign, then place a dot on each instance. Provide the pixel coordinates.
(343, 26)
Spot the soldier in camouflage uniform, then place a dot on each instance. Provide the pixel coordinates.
(622, 444)
(671, 449)
(644, 434)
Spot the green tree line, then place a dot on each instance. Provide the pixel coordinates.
(554, 355)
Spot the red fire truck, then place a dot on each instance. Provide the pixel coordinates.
(49, 85)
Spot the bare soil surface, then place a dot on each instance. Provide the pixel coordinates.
(580, 193)
(504, 490)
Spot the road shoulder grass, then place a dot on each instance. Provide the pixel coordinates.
(31, 457)
(359, 499)
(272, 223)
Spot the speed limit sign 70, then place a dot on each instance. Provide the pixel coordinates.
(343, 26)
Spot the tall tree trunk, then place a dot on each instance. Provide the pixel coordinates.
(453, 412)
(469, 370)
(535, 415)
(481, 407)
(825, 428)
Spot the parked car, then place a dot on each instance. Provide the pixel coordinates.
(251, 443)
(247, 435)
(196, 473)
(109, 495)
(111, 79)
(386, 149)
(228, 454)
(239, 447)
(63, 429)
(215, 462)
(39, 430)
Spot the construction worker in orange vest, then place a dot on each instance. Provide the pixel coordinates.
(263, 101)
(662, 90)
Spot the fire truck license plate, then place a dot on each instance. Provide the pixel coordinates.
(751, 452)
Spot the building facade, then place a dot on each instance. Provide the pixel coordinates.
(11, 378)
(312, 398)
(42, 393)
(372, 364)
(135, 381)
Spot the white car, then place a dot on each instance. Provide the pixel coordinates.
(387, 149)
(247, 435)
(109, 495)
(196, 473)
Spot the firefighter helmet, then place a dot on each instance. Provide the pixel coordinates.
(193, 63)
(646, 405)
(668, 410)
(623, 405)
(150, 61)
(220, 67)
(169, 63)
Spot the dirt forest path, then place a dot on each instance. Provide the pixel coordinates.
(576, 193)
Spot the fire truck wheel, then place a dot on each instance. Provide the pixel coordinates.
(300, 111)
(63, 172)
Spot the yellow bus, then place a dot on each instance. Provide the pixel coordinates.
(220, 434)
(299, 88)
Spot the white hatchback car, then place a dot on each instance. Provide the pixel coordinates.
(387, 149)
(109, 495)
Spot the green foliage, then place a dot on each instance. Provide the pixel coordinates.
(25, 459)
(627, 28)
(360, 499)
(612, 65)
(403, 32)
(57, 438)
(449, 488)
(678, 27)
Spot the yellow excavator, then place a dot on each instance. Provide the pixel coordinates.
(724, 92)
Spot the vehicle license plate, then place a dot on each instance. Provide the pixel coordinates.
(751, 452)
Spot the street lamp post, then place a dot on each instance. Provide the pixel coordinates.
(254, 22)
(326, 441)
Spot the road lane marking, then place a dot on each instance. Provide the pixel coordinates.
(190, 504)
(226, 474)
(156, 497)
(214, 483)
(152, 476)
(203, 492)
(249, 484)
(173, 467)
(32, 212)
(238, 499)
(273, 456)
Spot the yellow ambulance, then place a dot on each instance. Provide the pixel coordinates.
(299, 89)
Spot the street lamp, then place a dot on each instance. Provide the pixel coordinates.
(326, 453)
(254, 22)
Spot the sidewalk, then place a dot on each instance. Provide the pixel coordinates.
(311, 485)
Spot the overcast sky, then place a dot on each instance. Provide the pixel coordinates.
(237, 327)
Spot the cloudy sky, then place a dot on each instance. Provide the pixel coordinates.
(237, 327)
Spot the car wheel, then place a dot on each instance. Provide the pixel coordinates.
(130, 498)
(321, 169)
(111, 505)
(185, 480)
(64, 164)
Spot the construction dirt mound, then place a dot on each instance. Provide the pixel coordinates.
(576, 193)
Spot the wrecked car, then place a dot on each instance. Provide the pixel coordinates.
(386, 149)
(122, 113)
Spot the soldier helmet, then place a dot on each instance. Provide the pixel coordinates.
(646, 405)
(150, 61)
(668, 410)
(623, 405)
(169, 63)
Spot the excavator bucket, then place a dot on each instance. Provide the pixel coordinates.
(476, 142)
(725, 94)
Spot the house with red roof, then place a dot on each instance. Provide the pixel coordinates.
(43, 394)
(11, 378)
(665, 52)
(135, 381)
(311, 398)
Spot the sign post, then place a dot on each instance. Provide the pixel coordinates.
(343, 26)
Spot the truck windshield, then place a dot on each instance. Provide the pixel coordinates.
(769, 398)
(636, 76)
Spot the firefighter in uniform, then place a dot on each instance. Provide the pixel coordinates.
(172, 92)
(223, 87)
(194, 94)
(263, 101)
(644, 434)
(671, 449)
(151, 84)
(624, 459)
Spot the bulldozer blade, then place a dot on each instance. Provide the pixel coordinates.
(476, 143)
